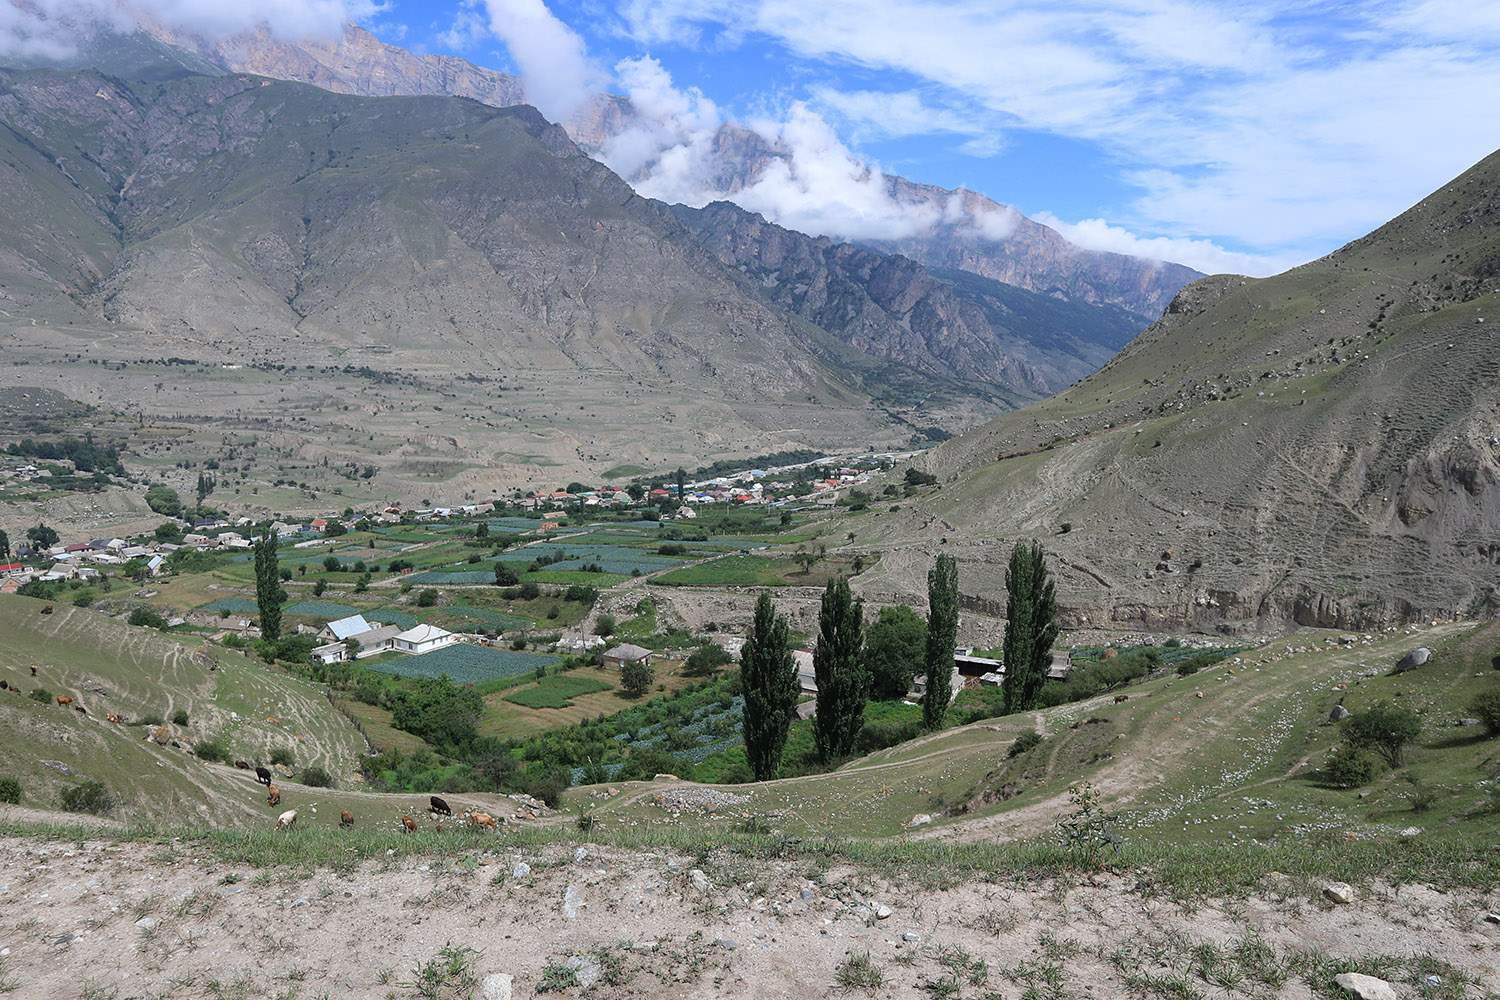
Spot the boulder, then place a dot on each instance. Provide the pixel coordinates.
(1365, 987)
(586, 969)
(1339, 892)
(496, 986)
(1413, 660)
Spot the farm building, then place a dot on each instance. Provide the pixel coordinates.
(625, 653)
(423, 639)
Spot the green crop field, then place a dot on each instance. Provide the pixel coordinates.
(556, 691)
(463, 663)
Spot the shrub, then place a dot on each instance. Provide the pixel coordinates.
(1485, 707)
(84, 599)
(89, 797)
(1026, 741)
(212, 750)
(605, 626)
(283, 756)
(147, 616)
(40, 694)
(315, 777)
(636, 678)
(1187, 667)
(150, 719)
(10, 790)
(1384, 729)
(887, 733)
(180, 717)
(1350, 767)
(548, 786)
(705, 660)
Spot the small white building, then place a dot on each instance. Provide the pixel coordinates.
(423, 639)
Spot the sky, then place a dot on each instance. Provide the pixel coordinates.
(1229, 136)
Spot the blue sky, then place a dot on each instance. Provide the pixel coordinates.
(1226, 135)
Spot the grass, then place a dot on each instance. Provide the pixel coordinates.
(506, 719)
(557, 691)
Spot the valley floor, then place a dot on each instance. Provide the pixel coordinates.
(95, 917)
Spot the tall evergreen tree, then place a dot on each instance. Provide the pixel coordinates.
(942, 636)
(268, 585)
(1030, 626)
(843, 684)
(769, 678)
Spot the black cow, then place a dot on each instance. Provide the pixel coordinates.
(242, 765)
(263, 776)
(439, 806)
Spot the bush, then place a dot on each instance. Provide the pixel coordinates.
(1384, 729)
(212, 750)
(40, 694)
(10, 790)
(147, 616)
(1485, 707)
(180, 717)
(636, 678)
(1188, 667)
(1350, 767)
(705, 660)
(89, 797)
(316, 777)
(605, 626)
(283, 756)
(1026, 741)
(548, 786)
(150, 719)
(886, 733)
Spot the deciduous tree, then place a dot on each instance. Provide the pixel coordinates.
(769, 678)
(268, 586)
(1030, 626)
(843, 685)
(895, 649)
(942, 634)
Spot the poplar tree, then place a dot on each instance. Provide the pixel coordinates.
(1030, 626)
(942, 636)
(769, 678)
(268, 586)
(843, 684)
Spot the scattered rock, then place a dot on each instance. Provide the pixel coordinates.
(920, 819)
(807, 895)
(1338, 714)
(579, 854)
(650, 945)
(1365, 987)
(1467, 722)
(1492, 918)
(1413, 660)
(521, 870)
(296, 903)
(1432, 982)
(57, 765)
(881, 911)
(912, 937)
(1339, 892)
(147, 923)
(1411, 831)
(586, 969)
(699, 880)
(726, 944)
(496, 986)
(572, 900)
(699, 800)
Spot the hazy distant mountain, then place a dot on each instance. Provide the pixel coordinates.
(1032, 256)
(1321, 446)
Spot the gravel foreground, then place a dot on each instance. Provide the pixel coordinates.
(97, 919)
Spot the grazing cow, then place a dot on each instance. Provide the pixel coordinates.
(273, 795)
(242, 765)
(113, 718)
(47, 610)
(80, 708)
(1121, 697)
(482, 820)
(3, 685)
(64, 700)
(1197, 694)
(263, 776)
(409, 823)
(287, 820)
(439, 806)
(33, 670)
(346, 819)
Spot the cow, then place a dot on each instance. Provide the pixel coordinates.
(482, 820)
(273, 795)
(33, 670)
(242, 765)
(439, 806)
(409, 823)
(113, 718)
(64, 700)
(3, 685)
(346, 819)
(47, 610)
(80, 709)
(286, 820)
(1197, 694)
(263, 776)
(1121, 697)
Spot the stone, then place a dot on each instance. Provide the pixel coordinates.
(521, 870)
(882, 911)
(726, 944)
(912, 937)
(1339, 892)
(699, 880)
(807, 895)
(1365, 987)
(1492, 918)
(920, 819)
(1413, 660)
(146, 923)
(57, 765)
(1467, 722)
(1432, 982)
(579, 854)
(572, 900)
(1338, 714)
(586, 969)
(496, 986)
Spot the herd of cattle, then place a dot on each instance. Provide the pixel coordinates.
(436, 806)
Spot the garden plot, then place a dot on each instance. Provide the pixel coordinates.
(464, 664)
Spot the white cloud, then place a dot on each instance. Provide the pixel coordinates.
(885, 114)
(1204, 255)
(557, 72)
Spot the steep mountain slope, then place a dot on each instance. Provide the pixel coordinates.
(1321, 446)
(1031, 256)
(952, 323)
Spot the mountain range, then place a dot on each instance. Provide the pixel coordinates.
(1321, 446)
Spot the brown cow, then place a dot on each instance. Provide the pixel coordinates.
(80, 708)
(409, 823)
(113, 717)
(1121, 697)
(346, 819)
(33, 670)
(482, 820)
(47, 610)
(273, 796)
(64, 700)
(242, 765)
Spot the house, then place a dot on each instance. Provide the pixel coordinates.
(625, 653)
(342, 629)
(195, 540)
(377, 640)
(807, 678)
(10, 585)
(319, 525)
(11, 569)
(156, 564)
(333, 652)
(423, 639)
(282, 530)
